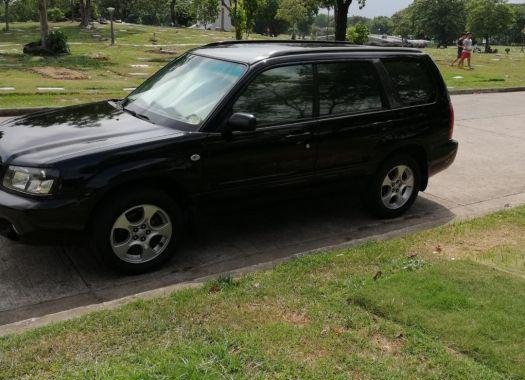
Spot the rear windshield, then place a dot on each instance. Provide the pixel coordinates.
(412, 81)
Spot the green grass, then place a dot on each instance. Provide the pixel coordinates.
(445, 303)
(490, 70)
(109, 68)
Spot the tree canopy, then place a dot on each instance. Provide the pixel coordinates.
(488, 18)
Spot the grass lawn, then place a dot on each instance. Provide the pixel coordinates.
(490, 70)
(445, 303)
(107, 71)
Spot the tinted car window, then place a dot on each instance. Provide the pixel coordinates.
(283, 94)
(411, 80)
(348, 87)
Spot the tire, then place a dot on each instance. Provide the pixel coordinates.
(137, 231)
(394, 188)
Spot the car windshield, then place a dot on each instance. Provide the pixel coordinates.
(187, 90)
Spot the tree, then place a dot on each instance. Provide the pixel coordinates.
(206, 11)
(515, 32)
(85, 13)
(6, 14)
(173, 12)
(381, 25)
(293, 12)
(44, 25)
(403, 22)
(443, 20)
(237, 16)
(341, 15)
(358, 34)
(266, 21)
(488, 18)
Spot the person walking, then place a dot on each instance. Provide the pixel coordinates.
(460, 48)
(467, 51)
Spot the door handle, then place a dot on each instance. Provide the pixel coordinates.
(298, 134)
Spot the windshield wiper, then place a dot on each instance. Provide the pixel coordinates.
(138, 115)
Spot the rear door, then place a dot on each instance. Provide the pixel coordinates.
(353, 115)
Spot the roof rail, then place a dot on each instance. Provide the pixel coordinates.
(275, 41)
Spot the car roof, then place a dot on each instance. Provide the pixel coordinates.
(257, 50)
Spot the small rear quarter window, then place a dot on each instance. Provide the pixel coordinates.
(412, 81)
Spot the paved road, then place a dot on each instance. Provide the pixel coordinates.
(487, 175)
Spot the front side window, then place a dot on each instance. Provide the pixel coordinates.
(411, 80)
(280, 95)
(348, 87)
(187, 90)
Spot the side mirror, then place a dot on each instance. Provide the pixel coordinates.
(243, 122)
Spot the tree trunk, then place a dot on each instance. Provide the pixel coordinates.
(487, 44)
(6, 15)
(85, 13)
(341, 19)
(44, 26)
(173, 14)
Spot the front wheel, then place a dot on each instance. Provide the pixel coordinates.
(394, 188)
(137, 231)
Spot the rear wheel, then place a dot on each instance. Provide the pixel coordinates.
(137, 231)
(394, 188)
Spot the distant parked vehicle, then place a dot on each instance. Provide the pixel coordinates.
(102, 20)
(394, 41)
(385, 40)
(420, 44)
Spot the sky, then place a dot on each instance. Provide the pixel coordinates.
(387, 7)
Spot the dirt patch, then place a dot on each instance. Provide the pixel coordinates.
(388, 345)
(473, 244)
(295, 318)
(60, 73)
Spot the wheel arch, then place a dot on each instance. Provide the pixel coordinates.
(170, 187)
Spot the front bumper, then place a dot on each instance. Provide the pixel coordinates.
(24, 217)
(442, 157)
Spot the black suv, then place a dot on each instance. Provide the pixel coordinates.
(225, 120)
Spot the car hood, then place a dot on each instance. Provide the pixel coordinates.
(48, 136)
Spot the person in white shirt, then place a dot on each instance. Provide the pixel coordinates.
(467, 51)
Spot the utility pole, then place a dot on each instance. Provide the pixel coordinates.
(111, 11)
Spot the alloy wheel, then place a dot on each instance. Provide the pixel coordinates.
(141, 233)
(397, 187)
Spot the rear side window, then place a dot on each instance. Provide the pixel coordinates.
(348, 87)
(280, 95)
(412, 81)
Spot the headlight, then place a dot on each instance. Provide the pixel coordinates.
(30, 180)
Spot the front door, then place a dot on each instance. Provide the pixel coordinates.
(282, 150)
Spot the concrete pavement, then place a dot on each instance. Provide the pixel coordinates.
(489, 174)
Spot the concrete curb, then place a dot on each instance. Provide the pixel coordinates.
(486, 91)
(8, 112)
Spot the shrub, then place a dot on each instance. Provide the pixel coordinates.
(358, 34)
(56, 44)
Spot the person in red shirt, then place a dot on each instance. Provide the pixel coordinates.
(467, 51)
